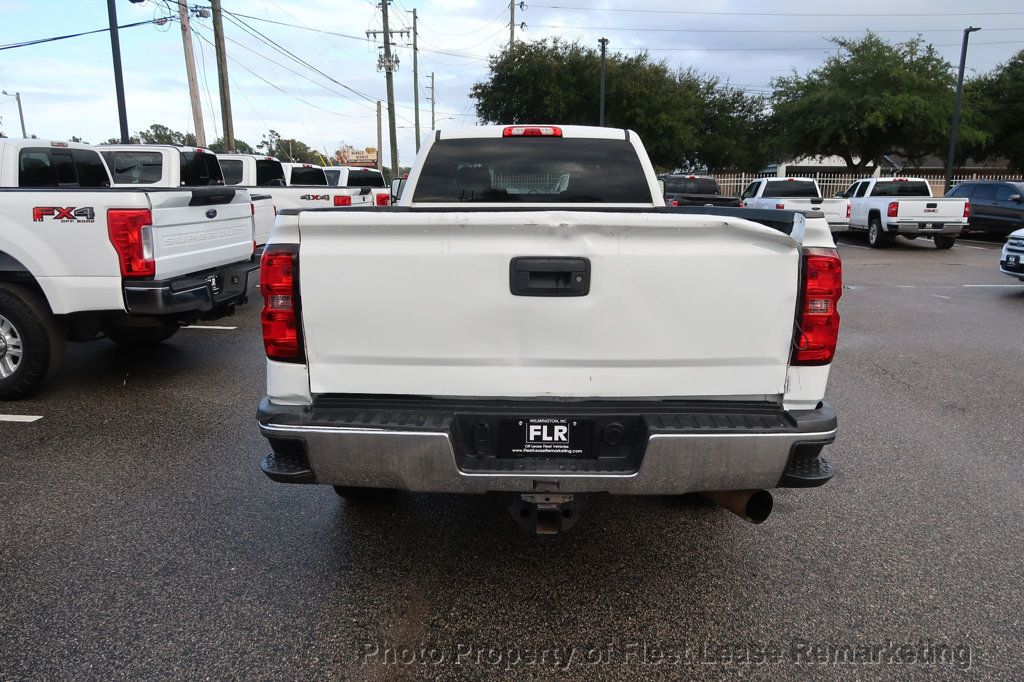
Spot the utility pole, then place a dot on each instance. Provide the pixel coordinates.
(511, 23)
(389, 65)
(955, 132)
(380, 142)
(21, 114)
(433, 98)
(190, 71)
(115, 49)
(604, 48)
(415, 81)
(222, 76)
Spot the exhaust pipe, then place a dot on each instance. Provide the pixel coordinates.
(751, 505)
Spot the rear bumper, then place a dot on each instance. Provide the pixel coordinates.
(191, 294)
(924, 229)
(433, 446)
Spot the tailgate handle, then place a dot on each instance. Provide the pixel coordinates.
(553, 276)
(211, 196)
(931, 205)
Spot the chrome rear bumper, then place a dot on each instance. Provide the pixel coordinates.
(430, 453)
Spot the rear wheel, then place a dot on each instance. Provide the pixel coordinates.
(944, 242)
(877, 238)
(141, 337)
(31, 345)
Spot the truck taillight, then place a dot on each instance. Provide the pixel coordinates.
(675, 203)
(383, 200)
(894, 209)
(780, 206)
(967, 209)
(281, 316)
(817, 330)
(849, 210)
(131, 232)
(342, 200)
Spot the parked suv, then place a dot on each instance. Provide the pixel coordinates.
(996, 206)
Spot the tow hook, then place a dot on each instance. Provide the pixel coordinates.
(546, 513)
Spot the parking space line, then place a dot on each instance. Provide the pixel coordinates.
(22, 418)
(979, 248)
(207, 326)
(856, 246)
(1015, 286)
(948, 298)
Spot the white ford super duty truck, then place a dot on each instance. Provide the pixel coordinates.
(797, 194)
(157, 165)
(531, 319)
(79, 259)
(887, 207)
(292, 185)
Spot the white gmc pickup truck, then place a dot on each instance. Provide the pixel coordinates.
(797, 194)
(887, 207)
(79, 259)
(157, 165)
(531, 319)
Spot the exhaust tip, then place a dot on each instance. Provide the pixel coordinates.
(754, 506)
(759, 506)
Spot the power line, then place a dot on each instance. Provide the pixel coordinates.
(756, 30)
(10, 46)
(274, 85)
(787, 49)
(774, 14)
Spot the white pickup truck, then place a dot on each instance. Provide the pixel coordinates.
(157, 165)
(292, 185)
(531, 319)
(79, 258)
(797, 194)
(369, 180)
(887, 207)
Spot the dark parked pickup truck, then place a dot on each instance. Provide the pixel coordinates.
(695, 190)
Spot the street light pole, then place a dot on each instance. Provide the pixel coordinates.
(955, 132)
(115, 48)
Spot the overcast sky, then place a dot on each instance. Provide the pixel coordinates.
(68, 86)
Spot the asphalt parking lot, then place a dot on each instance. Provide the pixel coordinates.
(139, 538)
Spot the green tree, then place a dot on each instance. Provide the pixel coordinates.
(160, 134)
(558, 82)
(996, 102)
(871, 99)
(241, 146)
(273, 144)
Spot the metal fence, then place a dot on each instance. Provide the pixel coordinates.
(833, 183)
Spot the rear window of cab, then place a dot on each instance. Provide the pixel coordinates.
(532, 170)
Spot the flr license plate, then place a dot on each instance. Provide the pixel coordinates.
(550, 437)
(215, 282)
(1013, 262)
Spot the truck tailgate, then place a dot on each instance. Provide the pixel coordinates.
(930, 209)
(421, 303)
(200, 228)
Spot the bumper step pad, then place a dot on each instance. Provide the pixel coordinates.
(809, 472)
(287, 467)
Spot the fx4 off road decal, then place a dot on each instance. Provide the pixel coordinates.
(86, 214)
(316, 197)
